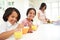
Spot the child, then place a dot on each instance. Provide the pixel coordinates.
(41, 14)
(31, 12)
(7, 29)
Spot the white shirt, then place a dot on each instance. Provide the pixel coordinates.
(6, 26)
(42, 16)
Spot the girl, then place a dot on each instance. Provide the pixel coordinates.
(31, 12)
(41, 14)
(7, 29)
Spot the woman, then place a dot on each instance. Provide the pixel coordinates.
(41, 14)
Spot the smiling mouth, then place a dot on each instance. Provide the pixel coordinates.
(13, 21)
(31, 16)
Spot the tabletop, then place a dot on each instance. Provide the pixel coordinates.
(44, 32)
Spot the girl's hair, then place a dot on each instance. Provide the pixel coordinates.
(42, 5)
(9, 11)
(29, 11)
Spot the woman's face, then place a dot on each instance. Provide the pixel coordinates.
(13, 17)
(44, 8)
(31, 14)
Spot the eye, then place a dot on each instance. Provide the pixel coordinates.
(30, 13)
(12, 16)
(33, 13)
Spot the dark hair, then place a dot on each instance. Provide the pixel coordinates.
(9, 11)
(29, 11)
(42, 5)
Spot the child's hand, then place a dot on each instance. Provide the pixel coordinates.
(30, 30)
(19, 27)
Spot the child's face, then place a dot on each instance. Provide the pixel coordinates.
(31, 14)
(13, 17)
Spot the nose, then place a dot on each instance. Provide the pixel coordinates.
(33, 15)
(15, 19)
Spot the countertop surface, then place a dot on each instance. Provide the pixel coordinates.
(44, 32)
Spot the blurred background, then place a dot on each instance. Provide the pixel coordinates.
(52, 11)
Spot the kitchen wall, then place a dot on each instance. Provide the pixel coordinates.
(52, 11)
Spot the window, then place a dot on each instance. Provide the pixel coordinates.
(53, 10)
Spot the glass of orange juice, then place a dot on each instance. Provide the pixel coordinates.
(25, 30)
(34, 27)
(18, 35)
